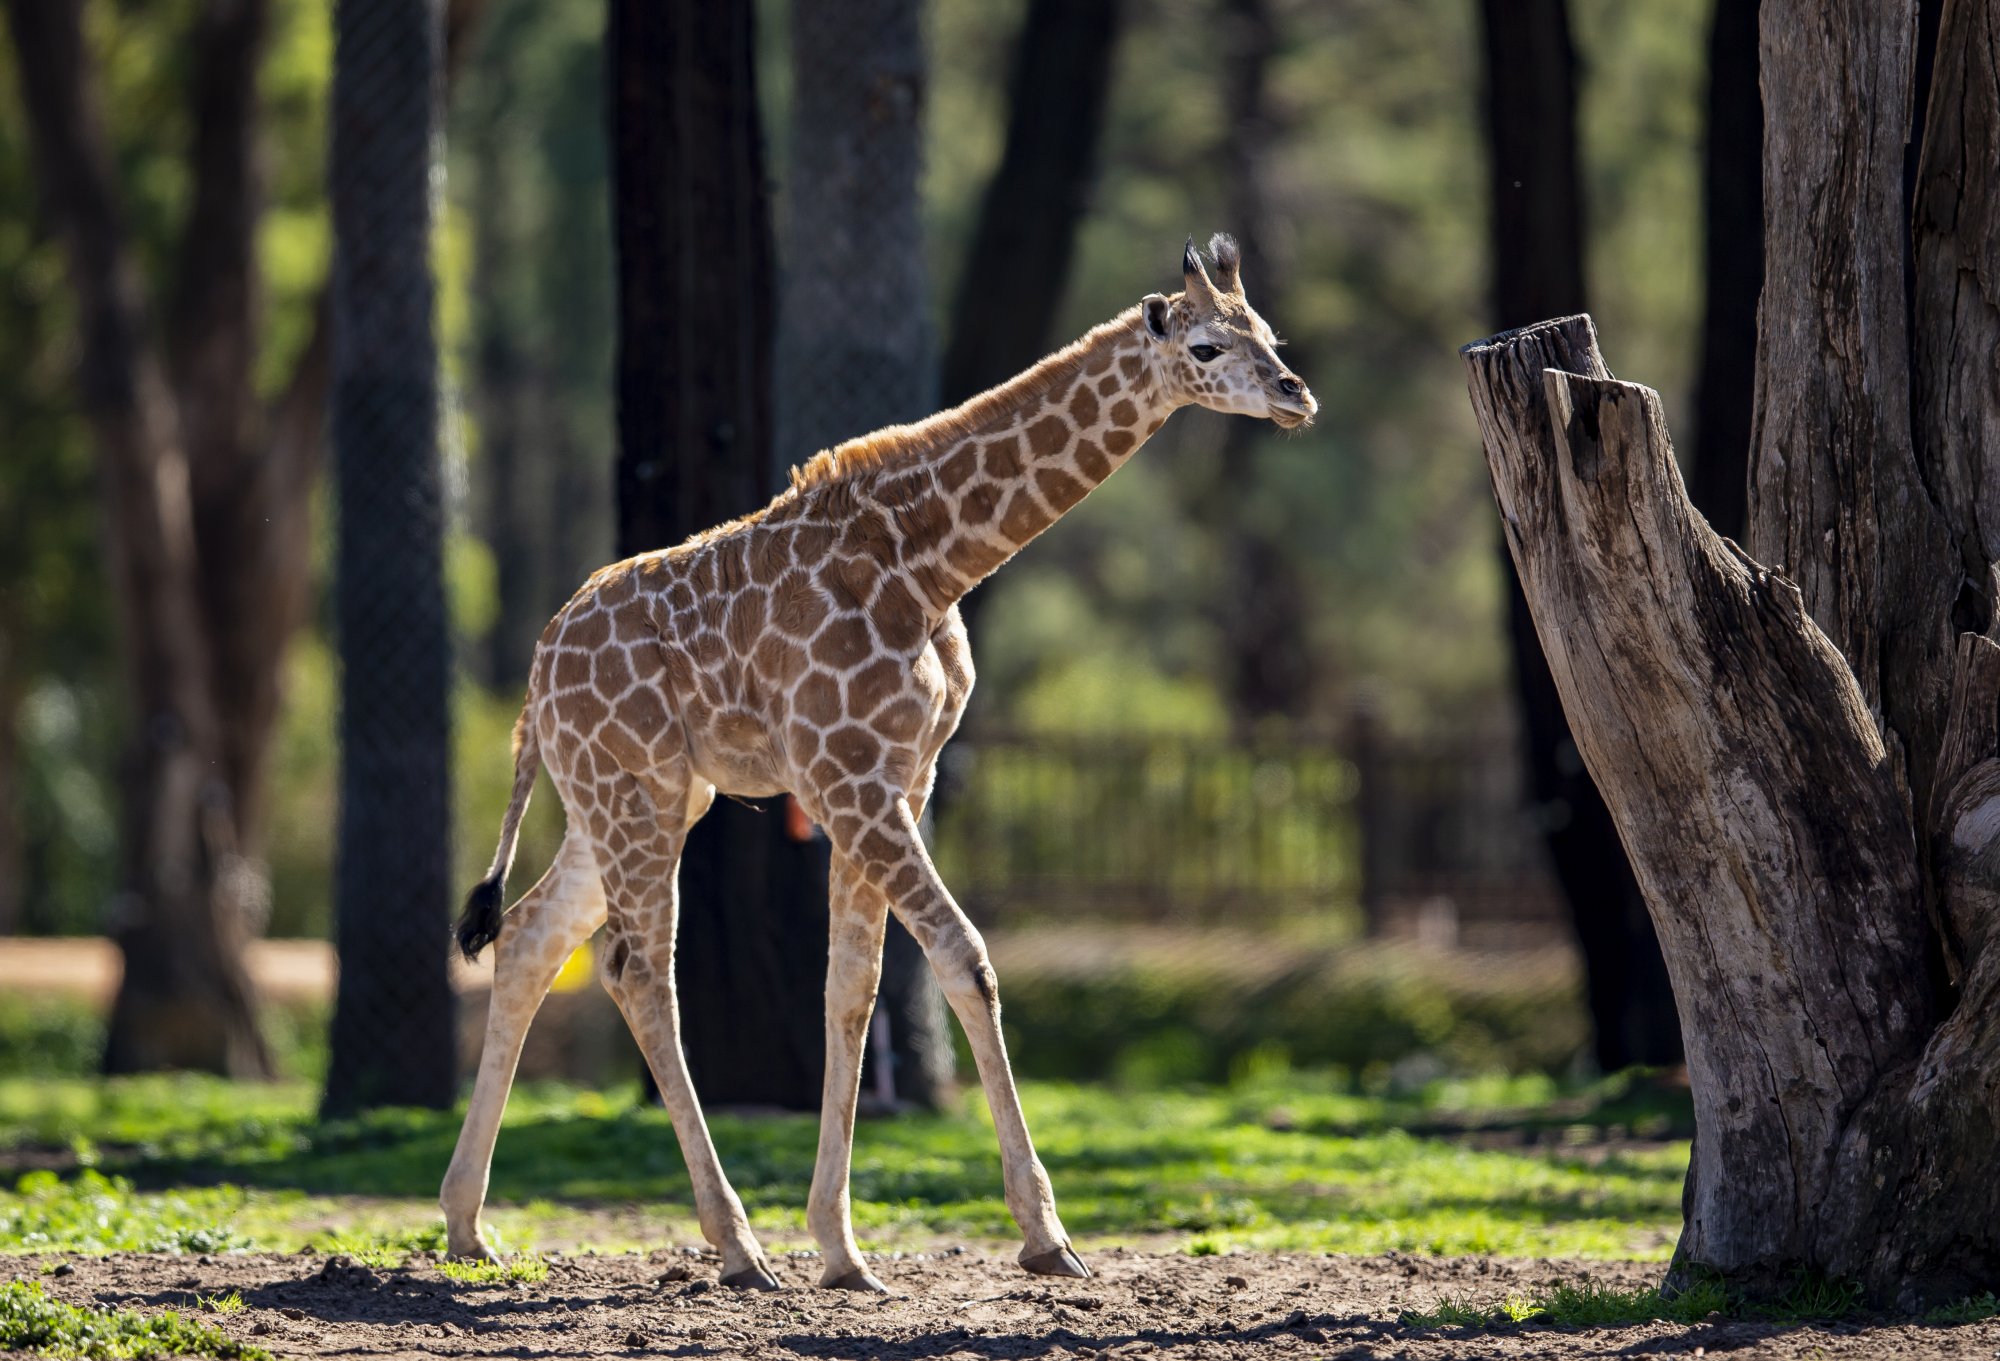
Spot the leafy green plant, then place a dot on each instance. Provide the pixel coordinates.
(232, 1303)
(32, 1320)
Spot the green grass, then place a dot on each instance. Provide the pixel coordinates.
(1972, 1309)
(1279, 1160)
(1580, 1304)
(528, 1267)
(31, 1320)
(1810, 1298)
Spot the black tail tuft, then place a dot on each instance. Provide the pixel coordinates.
(479, 924)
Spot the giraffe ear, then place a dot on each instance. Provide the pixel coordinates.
(1159, 312)
(1199, 291)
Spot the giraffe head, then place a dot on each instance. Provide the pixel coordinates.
(1211, 348)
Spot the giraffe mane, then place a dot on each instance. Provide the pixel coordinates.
(898, 446)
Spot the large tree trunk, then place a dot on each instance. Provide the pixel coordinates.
(1807, 775)
(393, 1031)
(855, 353)
(695, 337)
(1537, 251)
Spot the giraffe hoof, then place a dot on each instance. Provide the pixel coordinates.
(860, 1280)
(752, 1277)
(1057, 1262)
(478, 1252)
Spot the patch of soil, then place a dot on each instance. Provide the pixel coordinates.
(967, 1306)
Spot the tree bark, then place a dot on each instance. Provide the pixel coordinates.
(694, 386)
(1840, 1126)
(856, 352)
(1836, 496)
(393, 1037)
(1537, 253)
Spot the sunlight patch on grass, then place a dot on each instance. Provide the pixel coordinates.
(1283, 1162)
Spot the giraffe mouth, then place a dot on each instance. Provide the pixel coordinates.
(1287, 418)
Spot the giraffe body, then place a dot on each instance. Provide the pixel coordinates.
(815, 648)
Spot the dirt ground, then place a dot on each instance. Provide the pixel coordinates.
(951, 1303)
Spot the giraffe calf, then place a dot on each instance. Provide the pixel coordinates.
(815, 647)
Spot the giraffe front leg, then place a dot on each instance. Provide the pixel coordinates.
(892, 857)
(554, 917)
(853, 972)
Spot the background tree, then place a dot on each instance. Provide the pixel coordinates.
(1732, 200)
(694, 392)
(855, 353)
(1538, 257)
(1806, 763)
(394, 1038)
(189, 460)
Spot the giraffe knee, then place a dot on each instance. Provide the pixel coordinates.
(967, 976)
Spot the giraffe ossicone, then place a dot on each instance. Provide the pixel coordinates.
(815, 648)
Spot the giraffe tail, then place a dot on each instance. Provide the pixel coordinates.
(479, 924)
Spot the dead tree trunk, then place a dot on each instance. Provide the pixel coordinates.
(1807, 776)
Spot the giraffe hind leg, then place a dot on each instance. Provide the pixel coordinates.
(552, 919)
(639, 832)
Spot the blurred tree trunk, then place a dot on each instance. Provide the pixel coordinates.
(1733, 250)
(1805, 761)
(1025, 238)
(1262, 611)
(394, 1038)
(206, 494)
(185, 896)
(1537, 252)
(855, 352)
(694, 365)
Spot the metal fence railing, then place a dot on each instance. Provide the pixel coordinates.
(1413, 836)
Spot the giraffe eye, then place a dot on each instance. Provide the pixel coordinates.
(1203, 352)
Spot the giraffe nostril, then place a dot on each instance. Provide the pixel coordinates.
(1290, 387)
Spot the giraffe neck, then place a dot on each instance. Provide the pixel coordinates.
(1023, 454)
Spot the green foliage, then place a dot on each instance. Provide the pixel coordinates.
(49, 1036)
(32, 1320)
(1360, 1011)
(1257, 1166)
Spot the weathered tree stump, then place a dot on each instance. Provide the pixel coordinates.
(1846, 1105)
